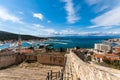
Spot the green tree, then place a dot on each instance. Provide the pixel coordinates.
(32, 48)
(62, 49)
(118, 54)
(106, 61)
(88, 58)
(77, 47)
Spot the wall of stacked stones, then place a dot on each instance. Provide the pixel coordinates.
(87, 72)
(10, 59)
(52, 59)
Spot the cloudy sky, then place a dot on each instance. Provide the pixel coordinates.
(60, 17)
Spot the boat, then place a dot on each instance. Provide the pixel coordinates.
(1, 44)
(13, 45)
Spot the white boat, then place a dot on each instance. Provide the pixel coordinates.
(1, 44)
(13, 45)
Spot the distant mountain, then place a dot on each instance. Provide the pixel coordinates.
(9, 36)
(87, 34)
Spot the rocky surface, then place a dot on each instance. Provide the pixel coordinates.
(82, 71)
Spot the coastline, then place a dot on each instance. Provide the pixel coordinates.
(62, 42)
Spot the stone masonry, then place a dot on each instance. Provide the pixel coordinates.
(83, 71)
(10, 59)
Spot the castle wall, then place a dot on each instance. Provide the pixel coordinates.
(10, 59)
(85, 71)
(52, 59)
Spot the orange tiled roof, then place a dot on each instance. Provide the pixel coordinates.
(110, 57)
(27, 51)
(99, 55)
(117, 50)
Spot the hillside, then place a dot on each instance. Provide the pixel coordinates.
(9, 36)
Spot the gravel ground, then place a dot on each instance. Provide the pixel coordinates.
(27, 71)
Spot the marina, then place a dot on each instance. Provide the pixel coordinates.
(65, 42)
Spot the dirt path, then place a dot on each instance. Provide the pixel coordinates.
(25, 71)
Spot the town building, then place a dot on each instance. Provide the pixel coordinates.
(116, 50)
(101, 57)
(103, 47)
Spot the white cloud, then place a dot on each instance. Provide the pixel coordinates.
(71, 12)
(6, 16)
(38, 15)
(40, 30)
(49, 31)
(92, 2)
(102, 5)
(46, 32)
(38, 26)
(94, 26)
(67, 31)
(110, 18)
(64, 32)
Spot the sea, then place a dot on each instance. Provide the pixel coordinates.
(66, 42)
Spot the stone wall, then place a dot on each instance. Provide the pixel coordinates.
(10, 59)
(31, 58)
(85, 71)
(52, 59)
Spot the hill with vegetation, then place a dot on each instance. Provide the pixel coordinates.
(12, 36)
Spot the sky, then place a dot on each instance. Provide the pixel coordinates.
(60, 17)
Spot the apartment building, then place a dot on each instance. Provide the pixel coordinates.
(103, 47)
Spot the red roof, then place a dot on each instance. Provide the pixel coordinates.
(27, 51)
(117, 50)
(110, 57)
(99, 55)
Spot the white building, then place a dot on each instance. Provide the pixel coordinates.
(103, 47)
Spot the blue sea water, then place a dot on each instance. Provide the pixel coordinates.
(82, 42)
(7, 45)
(66, 42)
(4, 46)
(25, 44)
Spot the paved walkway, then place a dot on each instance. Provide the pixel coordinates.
(70, 73)
(107, 69)
(75, 68)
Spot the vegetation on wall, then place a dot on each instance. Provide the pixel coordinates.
(114, 64)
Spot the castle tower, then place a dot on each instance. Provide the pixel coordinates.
(19, 44)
